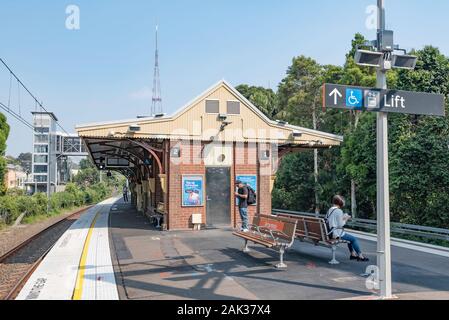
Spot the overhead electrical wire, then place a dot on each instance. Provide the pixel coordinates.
(38, 103)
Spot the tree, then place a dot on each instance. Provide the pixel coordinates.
(420, 148)
(25, 160)
(88, 174)
(4, 133)
(264, 99)
(299, 103)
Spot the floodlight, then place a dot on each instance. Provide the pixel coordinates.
(404, 62)
(369, 58)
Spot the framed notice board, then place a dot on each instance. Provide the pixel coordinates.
(192, 191)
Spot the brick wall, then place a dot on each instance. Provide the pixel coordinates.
(246, 163)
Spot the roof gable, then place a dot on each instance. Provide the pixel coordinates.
(193, 122)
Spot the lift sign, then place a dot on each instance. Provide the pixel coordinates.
(377, 100)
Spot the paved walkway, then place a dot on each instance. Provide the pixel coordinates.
(210, 265)
(79, 266)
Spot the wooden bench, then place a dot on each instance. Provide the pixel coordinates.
(314, 230)
(277, 233)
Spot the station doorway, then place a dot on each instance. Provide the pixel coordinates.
(218, 196)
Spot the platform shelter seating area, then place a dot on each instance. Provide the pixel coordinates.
(315, 231)
(277, 233)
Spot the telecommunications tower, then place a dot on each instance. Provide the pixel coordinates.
(156, 106)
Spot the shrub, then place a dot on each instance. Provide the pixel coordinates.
(15, 202)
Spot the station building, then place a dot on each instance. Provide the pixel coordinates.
(184, 166)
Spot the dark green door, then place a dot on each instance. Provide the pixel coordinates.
(218, 196)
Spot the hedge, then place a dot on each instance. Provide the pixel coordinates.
(15, 202)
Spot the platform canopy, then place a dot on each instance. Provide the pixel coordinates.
(220, 114)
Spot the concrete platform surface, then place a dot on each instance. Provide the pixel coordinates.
(209, 264)
(79, 265)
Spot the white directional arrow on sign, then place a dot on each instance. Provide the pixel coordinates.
(336, 94)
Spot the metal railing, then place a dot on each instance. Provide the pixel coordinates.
(398, 228)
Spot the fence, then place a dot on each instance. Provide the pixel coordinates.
(398, 228)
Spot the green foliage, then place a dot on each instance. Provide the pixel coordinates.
(299, 91)
(419, 145)
(4, 133)
(295, 178)
(86, 190)
(14, 203)
(264, 99)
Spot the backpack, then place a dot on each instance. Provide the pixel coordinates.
(252, 197)
(329, 228)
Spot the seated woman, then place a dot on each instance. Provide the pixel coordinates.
(336, 221)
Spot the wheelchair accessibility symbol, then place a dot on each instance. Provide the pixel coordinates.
(354, 98)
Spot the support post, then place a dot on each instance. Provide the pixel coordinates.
(334, 260)
(281, 264)
(246, 249)
(383, 190)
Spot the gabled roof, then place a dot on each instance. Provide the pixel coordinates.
(99, 129)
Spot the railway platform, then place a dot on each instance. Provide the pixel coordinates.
(78, 267)
(132, 260)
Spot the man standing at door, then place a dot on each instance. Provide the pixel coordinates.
(242, 195)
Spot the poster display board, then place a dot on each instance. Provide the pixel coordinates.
(192, 191)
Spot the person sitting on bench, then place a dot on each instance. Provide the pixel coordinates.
(336, 220)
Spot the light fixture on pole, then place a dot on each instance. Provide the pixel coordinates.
(382, 54)
(407, 62)
(368, 58)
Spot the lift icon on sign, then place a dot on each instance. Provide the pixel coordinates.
(372, 99)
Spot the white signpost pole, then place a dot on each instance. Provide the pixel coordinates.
(383, 190)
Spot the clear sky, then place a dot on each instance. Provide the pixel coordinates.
(104, 70)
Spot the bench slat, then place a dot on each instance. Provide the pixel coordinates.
(258, 240)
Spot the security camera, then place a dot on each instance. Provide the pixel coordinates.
(222, 117)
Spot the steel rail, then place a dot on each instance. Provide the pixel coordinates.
(399, 228)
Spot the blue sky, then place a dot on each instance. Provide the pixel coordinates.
(104, 70)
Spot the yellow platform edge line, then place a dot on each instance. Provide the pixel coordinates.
(78, 291)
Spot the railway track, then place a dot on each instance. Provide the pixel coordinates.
(18, 264)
